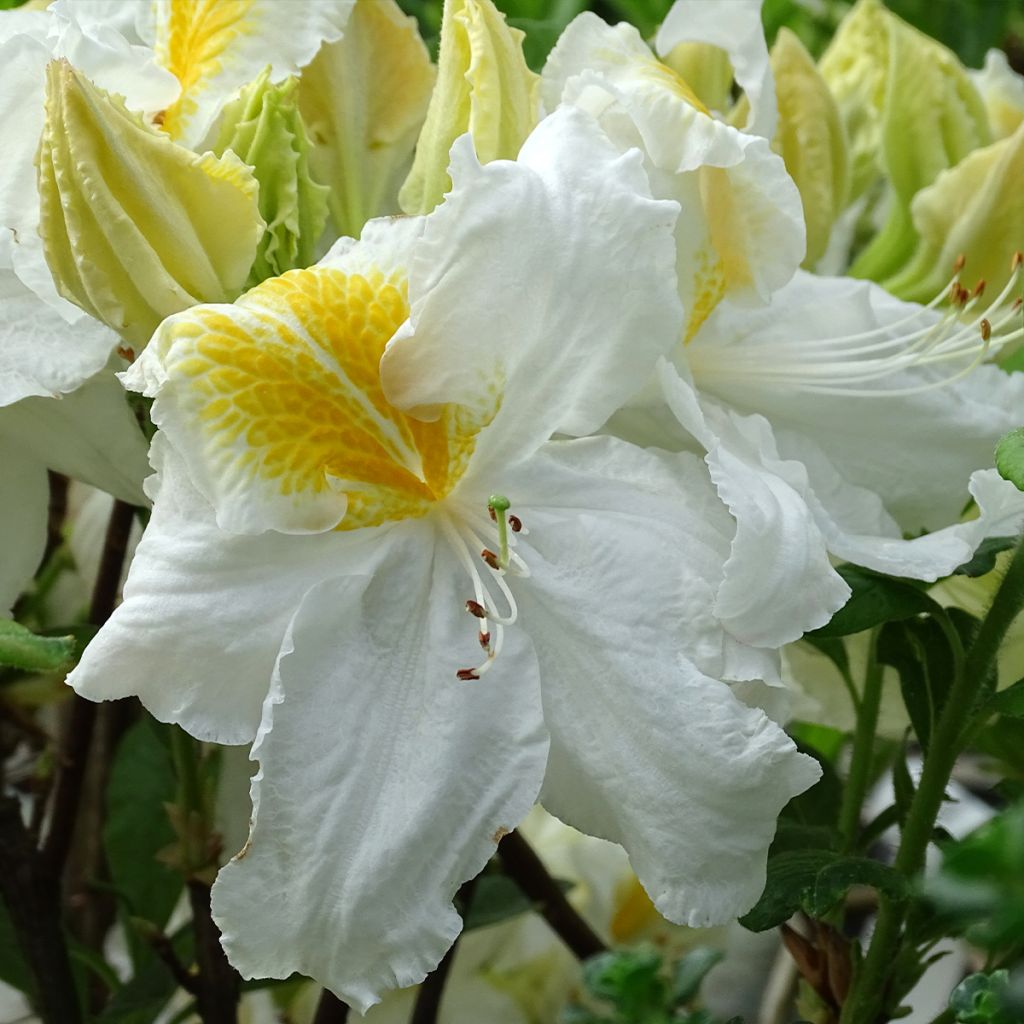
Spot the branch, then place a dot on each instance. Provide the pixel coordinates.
(330, 1009)
(32, 895)
(524, 867)
(218, 985)
(428, 1000)
(82, 720)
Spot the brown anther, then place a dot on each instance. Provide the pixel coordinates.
(159, 118)
(958, 263)
(962, 295)
(492, 514)
(126, 353)
(485, 641)
(1018, 259)
(979, 289)
(465, 674)
(986, 330)
(515, 523)
(476, 609)
(490, 558)
(1017, 303)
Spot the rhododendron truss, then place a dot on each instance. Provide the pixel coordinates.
(366, 553)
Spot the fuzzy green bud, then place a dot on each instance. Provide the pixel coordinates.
(135, 227)
(263, 128)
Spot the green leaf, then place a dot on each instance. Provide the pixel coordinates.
(981, 999)
(835, 880)
(791, 879)
(690, 973)
(984, 559)
(21, 648)
(1010, 458)
(496, 898)
(902, 784)
(142, 782)
(628, 979)
(818, 805)
(875, 599)
(1009, 701)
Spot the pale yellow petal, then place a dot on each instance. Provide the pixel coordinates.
(134, 226)
(363, 100)
(483, 87)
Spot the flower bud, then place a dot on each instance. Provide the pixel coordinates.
(910, 111)
(363, 99)
(1002, 89)
(810, 139)
(135, 227)
(706, 69)
(263, 128)
(483, 87)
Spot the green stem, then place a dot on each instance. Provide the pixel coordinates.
(859, 776)
(869, 992)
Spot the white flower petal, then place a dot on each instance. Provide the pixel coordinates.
(741, 231)
(384, 781)
(736, 28)
(204, 612)
(778, 581)
(24, 498)
(605, 508)
(548, 280)
(646, 750)
(914, 451)
(215, 48)
(41, 352)
(90, 434)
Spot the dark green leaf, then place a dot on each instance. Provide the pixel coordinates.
(791, 879)
(142, 782)
(818, 805)
(984, 558)
(690, 973)
(628, 979)
(875, 599)
(1010, 458)
(22, 649)
(140, 1000)
(835, 880)
(495, 898)
(902, 784)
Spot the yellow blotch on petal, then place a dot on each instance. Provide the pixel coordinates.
(191, 44)
(634, 912)
(286, 387)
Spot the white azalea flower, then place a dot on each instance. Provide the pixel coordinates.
(836, 421)
(322, 522)
(821, 403)
(738, 202)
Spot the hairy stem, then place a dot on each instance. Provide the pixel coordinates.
(870, 989)
(859, 775)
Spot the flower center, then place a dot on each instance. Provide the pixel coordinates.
(487, 564)
(284, 389)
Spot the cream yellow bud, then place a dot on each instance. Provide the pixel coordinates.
(363, 100)
(135, 227)
(810, 139)
(483, 87)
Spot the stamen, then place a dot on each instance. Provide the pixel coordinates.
(840, 365)
(477, 609)
(498, 506)
(515, 523)
(491, 558)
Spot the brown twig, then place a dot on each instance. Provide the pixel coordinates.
(218, 983)
(32, 895)
(428, 1000)
(525, 868)
(81, 722)
(330, 1009)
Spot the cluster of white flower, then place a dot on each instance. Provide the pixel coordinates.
(515, 497)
